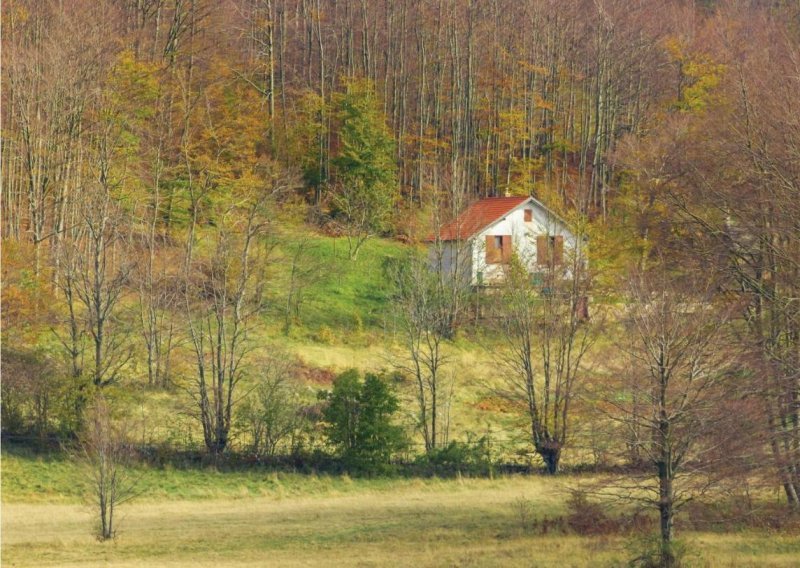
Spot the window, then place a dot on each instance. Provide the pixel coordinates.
(498, 249)
(549, 250)
(528, 215)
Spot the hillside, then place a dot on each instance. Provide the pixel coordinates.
(332, 252)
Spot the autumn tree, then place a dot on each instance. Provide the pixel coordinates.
(724, 164)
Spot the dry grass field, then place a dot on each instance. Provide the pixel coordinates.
(343, 522)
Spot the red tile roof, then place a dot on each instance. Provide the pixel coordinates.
(477, 216)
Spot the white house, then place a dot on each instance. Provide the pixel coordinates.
(478, 245)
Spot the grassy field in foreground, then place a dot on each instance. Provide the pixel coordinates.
(203, 518)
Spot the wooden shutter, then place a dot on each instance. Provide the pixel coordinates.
(558, 249)
(507, 248)
(528, 215)
(541, 250)
(493, 254)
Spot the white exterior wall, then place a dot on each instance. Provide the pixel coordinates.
(523, 238)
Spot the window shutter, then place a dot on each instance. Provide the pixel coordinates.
(492, 252)
(558, 249)
(507, 248)
(528, 215)
(541, 250)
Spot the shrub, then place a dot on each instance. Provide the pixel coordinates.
(270, 414)
(35, 397)
(587, 518)
(358, 419)
(524, 513)
(325, 335)
(470, 457)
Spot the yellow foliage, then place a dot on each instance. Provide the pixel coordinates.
(27, 299)
(700, 75)
(543, 104)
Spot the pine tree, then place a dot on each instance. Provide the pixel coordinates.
(365, 168)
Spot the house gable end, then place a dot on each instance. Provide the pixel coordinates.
(543, 216)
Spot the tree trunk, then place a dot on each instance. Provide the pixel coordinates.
(551, 457)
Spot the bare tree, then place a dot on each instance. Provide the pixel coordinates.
(271, 413)
(56, 56)
(305, 270)
(102, 269)
(107, 455)
(425, 325)
(543, 318)
(678, 371)
(158, 299)
(158, 271)
(74, 342)
(223, 299)
(430, 294)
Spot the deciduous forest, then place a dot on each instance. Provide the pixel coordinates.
(222, 257)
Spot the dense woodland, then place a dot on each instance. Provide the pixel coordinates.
(163, 160)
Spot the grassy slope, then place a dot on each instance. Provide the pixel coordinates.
(346, 321)
(255, 518)
(348, 296)
(352, 302)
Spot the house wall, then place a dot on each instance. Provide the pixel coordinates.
(456, 259)
(523, 238)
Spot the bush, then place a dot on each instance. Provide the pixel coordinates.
(524, 513)
(36, 398)
(587, 518)
(325, 335)
(471, 457)
(358, 419)
(270, 415)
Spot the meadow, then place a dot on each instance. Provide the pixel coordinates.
(204, 517)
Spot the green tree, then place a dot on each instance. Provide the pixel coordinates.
(359, 420)
(365, 168)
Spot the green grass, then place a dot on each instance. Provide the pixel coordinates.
(206, 518)
(55, 478)
(349, 296)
